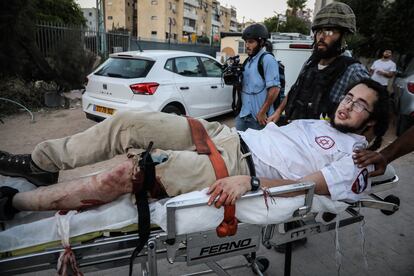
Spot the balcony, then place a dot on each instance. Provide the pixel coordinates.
(189, 14)
(188, 29)
(214, 21)
(193, 3)
(233, 29)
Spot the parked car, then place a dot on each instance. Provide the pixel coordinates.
(184, 83)
(403, 87)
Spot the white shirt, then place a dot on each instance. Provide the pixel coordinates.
(306, 146)
(382, 65)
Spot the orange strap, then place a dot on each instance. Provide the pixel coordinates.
(204, 145)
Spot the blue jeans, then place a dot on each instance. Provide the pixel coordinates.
(246, 122)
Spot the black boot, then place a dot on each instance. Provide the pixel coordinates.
(21, 165)
(7, 211)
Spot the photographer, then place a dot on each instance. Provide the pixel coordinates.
(257, 93)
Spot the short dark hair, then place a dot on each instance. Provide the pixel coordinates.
(381, 113)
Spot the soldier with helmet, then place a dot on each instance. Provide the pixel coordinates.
(258, 92)
(328, 72)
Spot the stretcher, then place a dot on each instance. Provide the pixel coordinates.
(198, 244)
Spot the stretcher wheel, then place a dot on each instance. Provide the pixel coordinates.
(262, 264)
(391, 199)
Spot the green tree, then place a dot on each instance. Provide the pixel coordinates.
(383, 24)
(59, 11)
(297, 21)
(19, 53)
(295, 24)
(271, 23)
(294, 6)
(396, 29)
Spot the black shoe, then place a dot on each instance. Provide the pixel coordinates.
(21, 165)
(7, 211)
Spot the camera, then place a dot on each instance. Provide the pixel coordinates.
(233, 71)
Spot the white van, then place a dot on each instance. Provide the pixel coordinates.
(293, 54)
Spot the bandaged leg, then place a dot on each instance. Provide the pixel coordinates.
(116, 135)
(79, 194)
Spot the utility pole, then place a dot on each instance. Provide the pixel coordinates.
(169, 31)
(100, 27)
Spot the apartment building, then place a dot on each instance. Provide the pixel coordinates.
(91, 16)
(120, 14)
(175, 20)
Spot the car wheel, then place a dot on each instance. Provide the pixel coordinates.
(172, 109)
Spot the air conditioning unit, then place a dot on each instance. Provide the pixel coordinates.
(117, 49)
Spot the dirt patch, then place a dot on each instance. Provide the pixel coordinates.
(20, 135)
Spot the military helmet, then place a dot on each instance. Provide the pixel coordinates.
(255, 31)
(335, 15)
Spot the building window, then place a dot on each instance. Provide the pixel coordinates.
(154, 2)
(166, 35)
(154, 17)
(241, 48)
(110, 17)
(90, 14)
(154, 33)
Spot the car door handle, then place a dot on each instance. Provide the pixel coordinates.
(184, 87)
(214, 86)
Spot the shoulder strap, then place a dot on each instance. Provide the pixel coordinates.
(204, 145)
(260, 65)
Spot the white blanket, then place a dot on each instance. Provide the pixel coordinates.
(35, 228)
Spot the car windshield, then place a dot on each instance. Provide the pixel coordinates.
(125, 68)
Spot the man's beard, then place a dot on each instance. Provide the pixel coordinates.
(349, 129)
(256, 50)
(332, 50)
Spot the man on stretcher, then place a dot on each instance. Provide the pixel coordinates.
(304, 150)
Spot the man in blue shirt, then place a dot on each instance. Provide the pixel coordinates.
(258, 93)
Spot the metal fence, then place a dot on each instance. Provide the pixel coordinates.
(52, 36)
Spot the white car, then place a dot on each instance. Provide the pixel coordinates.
(184, 83)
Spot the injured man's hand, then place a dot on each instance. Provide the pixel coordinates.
(227, 190)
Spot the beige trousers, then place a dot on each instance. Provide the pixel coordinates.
(181, 169)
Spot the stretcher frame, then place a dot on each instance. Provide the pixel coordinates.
(274, 235)
(110, 252)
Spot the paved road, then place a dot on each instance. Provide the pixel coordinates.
(389, 240)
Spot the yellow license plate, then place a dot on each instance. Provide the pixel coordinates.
(104, 109)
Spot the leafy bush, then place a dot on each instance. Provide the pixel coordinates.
(71, 62)
(25, 93)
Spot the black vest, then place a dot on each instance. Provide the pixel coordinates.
(309, 96)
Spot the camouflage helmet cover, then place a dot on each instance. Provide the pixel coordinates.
(337, 15)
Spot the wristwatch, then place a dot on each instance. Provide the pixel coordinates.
(254, 183)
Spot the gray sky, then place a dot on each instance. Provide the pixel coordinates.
(249, 9)
(260, 9)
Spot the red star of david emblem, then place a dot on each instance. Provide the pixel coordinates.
(325, 142)
(361, 182)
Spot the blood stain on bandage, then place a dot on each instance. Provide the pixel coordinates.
(87, 203)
